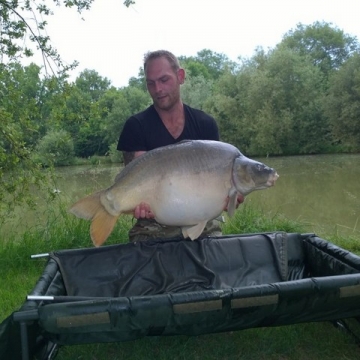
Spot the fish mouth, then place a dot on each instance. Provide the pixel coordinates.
(272, 179)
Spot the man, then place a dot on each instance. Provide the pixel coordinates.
(166, 122)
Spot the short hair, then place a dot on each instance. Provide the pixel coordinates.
(171, 58)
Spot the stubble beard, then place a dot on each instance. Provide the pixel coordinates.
(168, 102)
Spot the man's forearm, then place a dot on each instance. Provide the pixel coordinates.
(128, 156)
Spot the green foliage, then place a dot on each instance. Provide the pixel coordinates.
(120, 105)
(342, 105)
(21, 21)
(17, 170)
(196, 91)
(115, 155)
(249, 219)
(91, 83)
(301, 97)
(21, 88)
(31, 106)
(21, 94)
(56, 148)
(208, 64)
(19, 114)
(272, 105)
(325, 44)
(293, 89)
(79, 112)
(138, 82)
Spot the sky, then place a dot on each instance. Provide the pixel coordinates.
(112, 39)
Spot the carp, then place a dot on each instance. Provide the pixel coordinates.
(186, 185)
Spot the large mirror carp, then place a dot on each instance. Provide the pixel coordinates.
(186, 185)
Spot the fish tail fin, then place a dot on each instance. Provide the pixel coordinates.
(87, 207)
(102, 223)
(101, 227)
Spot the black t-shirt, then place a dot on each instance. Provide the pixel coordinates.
(145, 131)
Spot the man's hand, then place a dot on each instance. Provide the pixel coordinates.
(143, 211)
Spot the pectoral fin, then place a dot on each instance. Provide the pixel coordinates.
(193, 232)
(232, 204)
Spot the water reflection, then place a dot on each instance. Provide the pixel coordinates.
(321, 190)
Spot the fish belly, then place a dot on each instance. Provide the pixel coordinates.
(188, 200)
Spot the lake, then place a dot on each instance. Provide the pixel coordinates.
(321, 190)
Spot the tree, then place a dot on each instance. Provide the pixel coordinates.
(16, 27)
(342, 105)
(139, 82)
(121, 104)
(289, 88)
(327, 46)
(19, 126)
(91, 83)
(227, 106)
(18, 123)
(215, 62)
(55, 148)
(272, 105)
(196, 90)
(22, 92)
(209, 64)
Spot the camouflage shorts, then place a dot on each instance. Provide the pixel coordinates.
(145, 229)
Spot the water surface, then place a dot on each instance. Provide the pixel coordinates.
(321, 190)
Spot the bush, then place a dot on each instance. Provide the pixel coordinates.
(98, 160)
(115, 155)
(55, 148)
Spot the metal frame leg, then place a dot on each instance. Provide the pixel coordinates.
(24, 341)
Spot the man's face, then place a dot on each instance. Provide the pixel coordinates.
(163, 83)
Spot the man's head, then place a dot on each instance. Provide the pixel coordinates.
(163, 76)
(171, 58)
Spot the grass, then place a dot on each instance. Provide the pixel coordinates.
(19, 274)
(295, 342)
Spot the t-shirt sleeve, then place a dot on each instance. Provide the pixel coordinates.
(209, 128)
(132, 136)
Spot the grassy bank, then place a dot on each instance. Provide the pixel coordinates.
(64, 231)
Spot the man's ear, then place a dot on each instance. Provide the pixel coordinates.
(181, 75)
